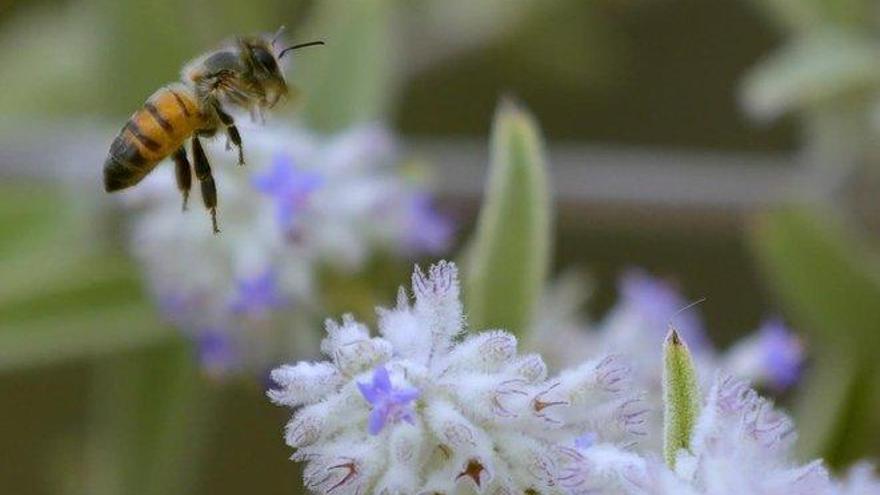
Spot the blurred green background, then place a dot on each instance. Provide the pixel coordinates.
(643, 96)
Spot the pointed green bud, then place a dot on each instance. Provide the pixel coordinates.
(681, 397)
(510, 252)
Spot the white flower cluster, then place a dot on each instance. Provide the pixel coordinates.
(635, 328)
(740, 444)
(302, 202)
(425, 408)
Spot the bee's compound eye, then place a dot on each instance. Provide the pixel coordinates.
(265, 59)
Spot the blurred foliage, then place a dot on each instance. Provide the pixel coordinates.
(804, 15)
(510, 256)
(830, 281)
(150, 415)
(351, 79)
(826, 72)
(633, 72)
(69, 298)
(822, 267)
(811, 70)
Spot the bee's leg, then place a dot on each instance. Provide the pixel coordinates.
(203, 173)
(233, 134)
(184, 173)
(231, 131)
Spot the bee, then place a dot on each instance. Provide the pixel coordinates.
(243, 73)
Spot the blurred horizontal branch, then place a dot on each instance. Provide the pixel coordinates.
(598, 186)
(686, 187)
(638, 176)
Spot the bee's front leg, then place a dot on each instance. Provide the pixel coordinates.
(231, 131)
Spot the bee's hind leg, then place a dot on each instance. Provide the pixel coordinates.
(183, 171)
(203, 173)
(231, 132)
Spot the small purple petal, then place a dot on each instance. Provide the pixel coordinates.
(783, 353)
(216, 351)
(389, 404)
(377, 419)
(290, 187)
(381, 380)
(429, 231)
(658, 302)
(258, 296)
(369, 393)
(405, 395)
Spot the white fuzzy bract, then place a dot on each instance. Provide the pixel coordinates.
(635, 328)
(301, 203)
(478, 416)
(741, 444)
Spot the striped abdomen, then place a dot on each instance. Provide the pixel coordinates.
(152, 133)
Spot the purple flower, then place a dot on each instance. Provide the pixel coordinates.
(389, 404)
(215, 349)
(659, 303)
(586, 440)
(782, 353)
(257, 296)
(289, 186)
(429, 231)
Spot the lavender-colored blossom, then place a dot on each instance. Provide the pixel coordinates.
(488, 419)
(258, 296)
(860, 479)
(429, 230)
(740, 444)
(390, 405)
(783, 353)
(306, 202)
(289, 186)
(660, 304)
(216, 351)
(647, 305)
(772, 356)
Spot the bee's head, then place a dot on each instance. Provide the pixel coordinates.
(264, 61)
(265, 73)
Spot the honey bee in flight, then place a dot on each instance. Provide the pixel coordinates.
(243, 73)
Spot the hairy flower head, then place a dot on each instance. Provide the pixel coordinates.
(303, 203)
(426, 408)
(772, 357)
(741, 444)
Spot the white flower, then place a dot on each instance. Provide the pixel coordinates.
(861, 479)
(426, 408)
(635, 328)
(740, 444)
(301, 202)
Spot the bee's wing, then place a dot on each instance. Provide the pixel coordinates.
(237, 91)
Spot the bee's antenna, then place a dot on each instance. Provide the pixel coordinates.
(278, 33)
(301, 45)
(682, 310)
